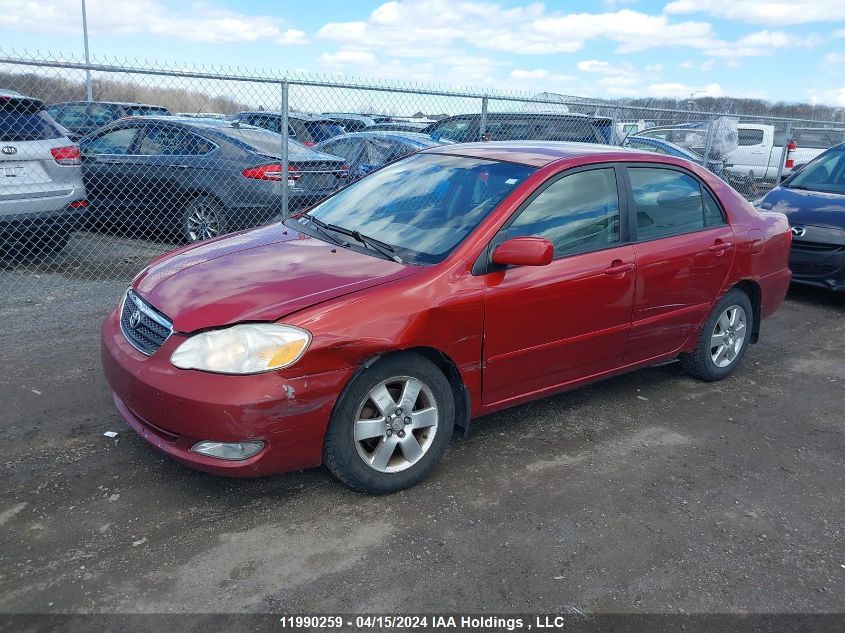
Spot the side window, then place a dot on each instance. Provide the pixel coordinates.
(576, 213)
(163, 141)
(749, 136)
(667, 202)
(114, 142)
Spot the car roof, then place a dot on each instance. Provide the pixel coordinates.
(535, 153)
(117, 103)
(647, 140)
(414, 137)
(302, 116)
(192, 121)
(531, 114)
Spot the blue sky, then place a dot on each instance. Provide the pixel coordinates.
(770, 49)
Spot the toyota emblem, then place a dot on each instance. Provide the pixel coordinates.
(135, 319)
(798, 231)
(8, 150)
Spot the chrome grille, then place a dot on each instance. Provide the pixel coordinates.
(142, 325)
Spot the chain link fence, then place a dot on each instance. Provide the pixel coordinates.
(168, 155)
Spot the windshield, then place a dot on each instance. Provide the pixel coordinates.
(826, 174)
(422, 206)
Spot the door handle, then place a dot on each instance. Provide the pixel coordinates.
(721, 247)
(618, 268)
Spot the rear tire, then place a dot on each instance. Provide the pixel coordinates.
(372, 449)
(723, 340)
(203, 218)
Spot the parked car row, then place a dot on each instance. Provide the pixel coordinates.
(198, 177)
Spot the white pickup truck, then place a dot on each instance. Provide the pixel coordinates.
(759, 148)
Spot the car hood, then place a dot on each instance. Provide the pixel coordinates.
(258, 275)
(807, 207)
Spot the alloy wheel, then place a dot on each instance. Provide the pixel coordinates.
(203, 222)
(728, 336)
(396, 424)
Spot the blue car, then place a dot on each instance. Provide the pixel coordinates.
(671, 149)
(367, 151)
(814, 201)
(197, 178)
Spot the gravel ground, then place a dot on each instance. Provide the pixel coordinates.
(650, 492)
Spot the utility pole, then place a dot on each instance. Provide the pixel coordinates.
(88, 90)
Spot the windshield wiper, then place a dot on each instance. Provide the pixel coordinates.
(321, 227)
(385, 249)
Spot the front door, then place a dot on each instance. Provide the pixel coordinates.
(549, 325)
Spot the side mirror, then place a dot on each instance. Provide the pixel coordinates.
(524, 251)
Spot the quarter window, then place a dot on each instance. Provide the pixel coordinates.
(576, 213)
(669, 202)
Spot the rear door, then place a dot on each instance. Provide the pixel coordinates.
(752, 152)
(110, 172)
(170, 166)
(684, 251)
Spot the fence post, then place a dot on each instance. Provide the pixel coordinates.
(482, 123)
(787, 137)
(705, 160)
(89, 92)
(615, 137)
(284, 134)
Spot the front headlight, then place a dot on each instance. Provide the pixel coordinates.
(249, 348)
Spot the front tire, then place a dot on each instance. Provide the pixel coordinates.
(723, 340)
(392, 425)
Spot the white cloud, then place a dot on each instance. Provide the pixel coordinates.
(539, 73)
(835, 96)
(771, 12)
(198, 22)
(348, 58)
(839, 33)
(761, 43)
(413, 28)
(680, 90)
(834, 59)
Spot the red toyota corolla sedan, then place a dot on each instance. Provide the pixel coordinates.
(458, 281)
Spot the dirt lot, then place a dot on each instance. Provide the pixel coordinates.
(652, 492)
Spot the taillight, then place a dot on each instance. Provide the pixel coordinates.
(67, 155)
(272, 171)
(344, 172)
(78, 204)
(309, 143)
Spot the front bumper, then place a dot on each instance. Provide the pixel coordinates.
(818, 264)
(172, 409)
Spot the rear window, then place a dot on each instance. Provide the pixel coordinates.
(145, 111)
(265, 142)
(323, 130)
(18, 126)
(818, 139)
(563, 129)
